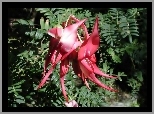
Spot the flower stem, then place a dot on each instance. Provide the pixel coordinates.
(67, 20)
(79, 37)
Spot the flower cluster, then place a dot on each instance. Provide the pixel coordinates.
(66, 45)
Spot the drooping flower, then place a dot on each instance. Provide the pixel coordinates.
(87, 60)
(67, 46)
(62, 43)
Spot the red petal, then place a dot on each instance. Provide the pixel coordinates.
(58, 58)
(69, 36)
(53, 57)
(53, 43)
(92, 58)
(99, 72)
(90, 46)
(51, 53)
(84, 66)
(90, 75)
(63, 87)
(50, 71)
(55, 32)
(46, 77)
(99, 83)
(83, 26)
(64, 66)
(86, 72)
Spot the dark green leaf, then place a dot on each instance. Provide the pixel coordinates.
(20, 101)
(135, 34)
(130, 38)
(23, 22)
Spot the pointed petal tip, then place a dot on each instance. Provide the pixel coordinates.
(96, 23)
(39, 86)
(99, 83)
(110, 89)
(97, 17)
(80, 22)
(54, 32)
(51, 34)
(113, 90)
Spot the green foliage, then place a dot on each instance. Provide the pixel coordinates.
(23, 22)
(136, 82)
(122, 36)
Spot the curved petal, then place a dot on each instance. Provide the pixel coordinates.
(90, 46)
(51, 69)
(99, 83)
(85, 72)
(46, 77)
(92, 58)
(64, 67)
(84, 66)
(63, 87)
(88, 72)
(79, 73)
(50, 58)
(53, 57)
(59, 56)
(83, 26)
(71, 29)
(99, 72)
(70, 35)
(51, 53)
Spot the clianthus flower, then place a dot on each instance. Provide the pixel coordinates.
(66, 46)
(62, 43)
(87, 60)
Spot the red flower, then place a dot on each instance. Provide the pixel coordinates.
(63, 43)
(67, 46)
(87, 60)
